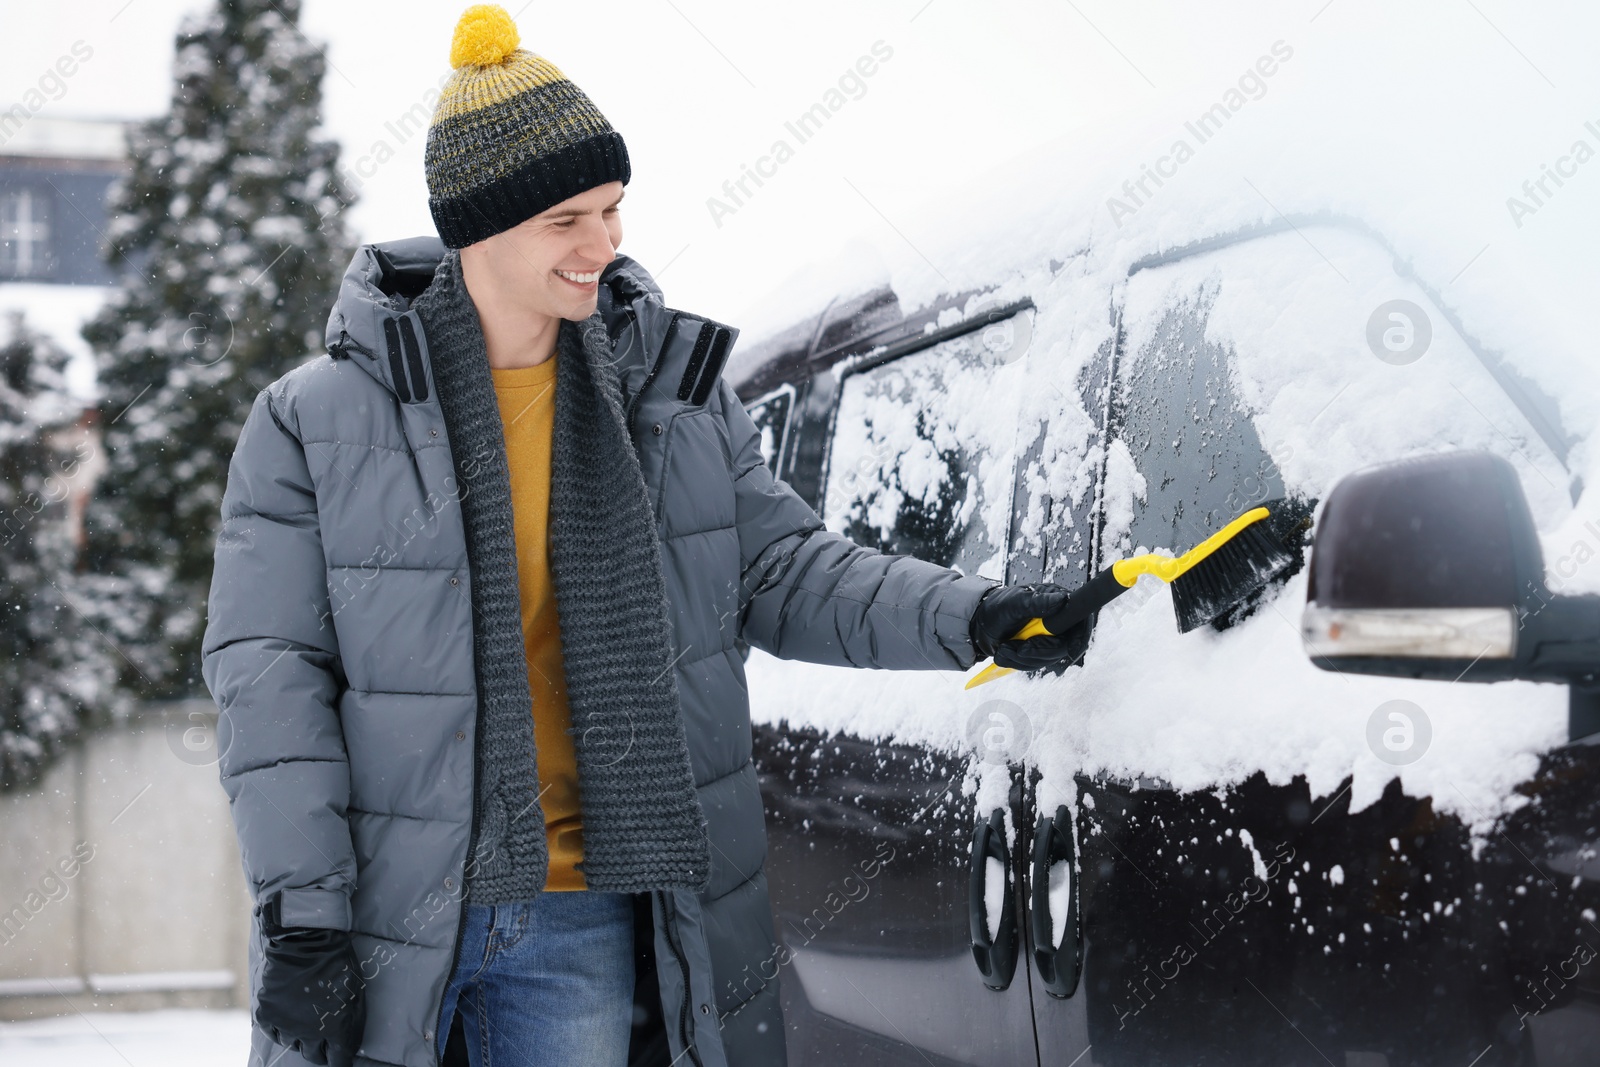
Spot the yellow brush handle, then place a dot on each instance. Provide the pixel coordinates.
(1127, 572)
(1170, 568)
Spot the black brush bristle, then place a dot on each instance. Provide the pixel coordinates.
(1236, 572)
(1291, 522)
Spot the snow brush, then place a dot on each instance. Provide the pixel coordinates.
(1207, 581)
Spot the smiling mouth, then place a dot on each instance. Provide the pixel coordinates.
(581, 280)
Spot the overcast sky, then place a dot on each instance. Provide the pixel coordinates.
(702, 89)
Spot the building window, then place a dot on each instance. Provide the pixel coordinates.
(25, 234)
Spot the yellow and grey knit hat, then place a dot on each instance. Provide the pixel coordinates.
(511, 136)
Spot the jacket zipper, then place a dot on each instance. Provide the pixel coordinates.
(650, 376)
(461, 920)
(683, 967)
(672, 939)
(472, 850)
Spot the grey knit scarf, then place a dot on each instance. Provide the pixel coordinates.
(643, 828)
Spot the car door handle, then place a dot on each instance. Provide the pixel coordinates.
(1054, 856)
(996, 956)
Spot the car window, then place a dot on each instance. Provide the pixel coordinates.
(923, 451)
(1192, 442)
(770, 413)
(1056, 524)
(1287, 361)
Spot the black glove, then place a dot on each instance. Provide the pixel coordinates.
(311, 990)
(1005, 609)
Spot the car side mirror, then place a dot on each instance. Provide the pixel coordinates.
(1431, 568)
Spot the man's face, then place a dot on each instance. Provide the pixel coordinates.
(541, 261)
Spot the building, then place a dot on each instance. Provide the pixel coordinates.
(55, 175)
(155, 912)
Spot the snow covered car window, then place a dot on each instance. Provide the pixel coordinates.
(1246, 372)
(770, 413)
(1253, 370)
(924, 450)
(1189, 436)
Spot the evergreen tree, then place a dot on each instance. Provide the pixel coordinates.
(229, 240)
(54, 669)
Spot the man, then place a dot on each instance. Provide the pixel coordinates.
(480, 577)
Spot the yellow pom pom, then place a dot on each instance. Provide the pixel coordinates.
(485, 36)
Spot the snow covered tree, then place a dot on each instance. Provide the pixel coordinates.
(55, 671)
(229, 240)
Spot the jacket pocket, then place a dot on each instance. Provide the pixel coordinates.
(696, 482)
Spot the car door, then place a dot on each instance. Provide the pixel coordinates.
(1269, 923)
(870, 838)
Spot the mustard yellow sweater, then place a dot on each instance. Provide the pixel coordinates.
(527, 399)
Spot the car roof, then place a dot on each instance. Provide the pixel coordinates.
(859, 324)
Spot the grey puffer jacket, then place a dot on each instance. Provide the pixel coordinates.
(339, 649)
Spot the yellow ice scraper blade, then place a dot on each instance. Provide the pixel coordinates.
(988, 674)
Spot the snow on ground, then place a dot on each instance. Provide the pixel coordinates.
(128, 1039)
(1426, 147)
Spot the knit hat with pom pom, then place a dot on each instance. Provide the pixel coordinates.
(511, 136)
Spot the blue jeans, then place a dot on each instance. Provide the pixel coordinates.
(546, 981)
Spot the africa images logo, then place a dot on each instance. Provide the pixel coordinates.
(1252, 85)
(851, 85)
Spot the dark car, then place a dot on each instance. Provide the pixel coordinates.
(950, 892)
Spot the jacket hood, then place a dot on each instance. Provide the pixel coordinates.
(384, 277)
